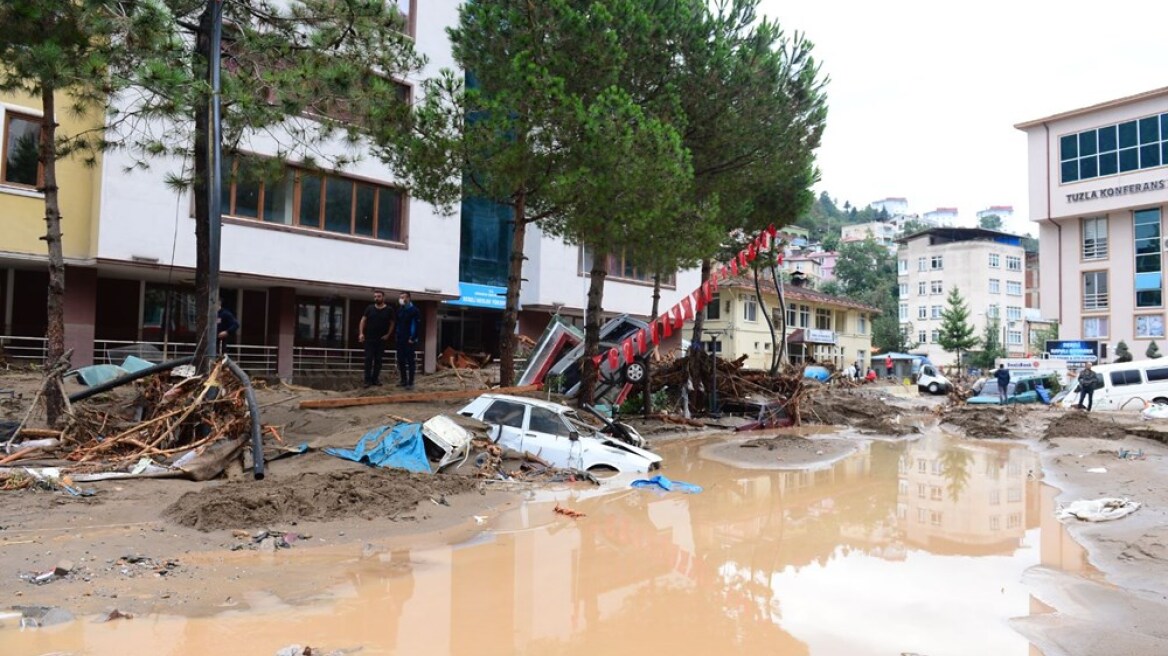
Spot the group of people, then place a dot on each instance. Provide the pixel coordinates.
(1088, 383)
(378, 324)
(855, 371)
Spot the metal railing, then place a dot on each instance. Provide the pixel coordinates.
(24, 349)
(321, 360)
(252, 358)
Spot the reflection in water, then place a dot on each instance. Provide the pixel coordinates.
(898, 548)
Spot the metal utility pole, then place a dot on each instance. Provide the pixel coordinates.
(214, 175)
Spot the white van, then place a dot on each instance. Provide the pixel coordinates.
(1143, 381)
(931, 380)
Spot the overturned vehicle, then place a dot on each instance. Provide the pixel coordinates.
(555, 433)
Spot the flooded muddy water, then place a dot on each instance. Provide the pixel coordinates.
(902, 547)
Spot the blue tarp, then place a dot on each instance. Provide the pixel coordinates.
(397, 446)
(663, 483)
(97, 374)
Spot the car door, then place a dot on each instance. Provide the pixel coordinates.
(507, 419)
(547, 436)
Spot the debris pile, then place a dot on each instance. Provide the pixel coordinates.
(494, 462)
(695, 372)
(983, 422)
(452, 359)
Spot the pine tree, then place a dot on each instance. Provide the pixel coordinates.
(1153, 351)
(1122, 352)
(956, 331)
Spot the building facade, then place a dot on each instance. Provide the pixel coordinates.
(883, 233)
(940, 217)
(1098, 179)
(1003, 212)
(819, 327)
(985, 266)
(301, 253)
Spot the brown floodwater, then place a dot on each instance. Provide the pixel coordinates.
(902, 547)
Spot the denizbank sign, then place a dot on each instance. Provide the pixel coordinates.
(1122, 190)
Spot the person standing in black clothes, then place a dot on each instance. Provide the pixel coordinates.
(375, 326)
(226, 327)
(1003, 377)
(408, 318)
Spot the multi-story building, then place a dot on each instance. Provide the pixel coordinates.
(986, 268)
(940, 217)
(819, 327)
(1003, 212)
(894, 207)
(301, 254)
(1098, 191)
(882, 232)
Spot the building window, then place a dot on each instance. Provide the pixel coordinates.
(995, 286)
(1095, 290)
(995, 261)
(750, 308)
(862, 324)
(822, 319)
(622, 267)
(1127, 146)
(995, 523)
(936, 312)
(902, 267)
(1013, 288)
(1013, 313)
(1095, 238)
(714, 308)
(1014, 520)
(1095, 327)
(841, 322)
(936, 287)
(1013, 263)
(922, 264)
(1149, 265)
(936, 336)
(1150, 325)
(320, 321)
(935, 493)
(902, 312)
(922, 468)
(937, 263)
(923, 336)
(1014, 337)
(935, 517)
(992, 311)
(922, 312)
(995, 497)
(922, 288)
(902, 289)
(804, 316)
(21, 164)
(260, 189)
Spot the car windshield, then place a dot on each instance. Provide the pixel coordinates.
(578, 424)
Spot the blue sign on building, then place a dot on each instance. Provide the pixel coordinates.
(1086, 350)
(481, 296)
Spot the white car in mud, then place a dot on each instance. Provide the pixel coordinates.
(555, 433)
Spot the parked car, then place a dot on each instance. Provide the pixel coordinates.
(556, 433)
(1021, 390)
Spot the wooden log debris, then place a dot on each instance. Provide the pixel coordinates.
(415, 397)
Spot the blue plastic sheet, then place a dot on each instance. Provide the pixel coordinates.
(399, 446)
(668, 485)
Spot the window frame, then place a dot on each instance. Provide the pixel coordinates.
(1144, 320)
(922, 288)
(995, 260)
(9, 115)
(617, 267)
(995, 286)
(937, 263)
(1102, 301)
(1105, 321)
(713, 309)
(1100, 246)
(1013, 285)
(1013, 263)
(749, 308)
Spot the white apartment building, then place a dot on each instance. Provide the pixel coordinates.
(1004, 212)
(892, 205)
(940, 217)
(987, 269)
(1098, 192)
(882, 232)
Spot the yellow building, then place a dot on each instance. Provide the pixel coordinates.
(23, 252)
(820, 327)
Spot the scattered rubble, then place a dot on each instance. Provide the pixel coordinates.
(267, 539)
(1074, 423)
(989, 422)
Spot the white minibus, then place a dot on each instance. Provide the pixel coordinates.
(1126, 385)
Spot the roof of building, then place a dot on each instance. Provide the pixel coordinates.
(943, 210)
(993, 208)
(1117, 102)
(892, 199)
(793, 293)
(959, 234)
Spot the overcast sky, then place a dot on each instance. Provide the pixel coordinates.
(924, 95)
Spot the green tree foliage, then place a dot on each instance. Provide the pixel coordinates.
(1153, 351)
(865, 271)
(956, 331)
(990, 222)
(991, 345)
(1040, 337)
(1123, 352)
(74, 53)
(824, 218)
(305, 75)
(912, 226)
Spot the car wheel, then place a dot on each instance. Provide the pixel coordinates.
(934, 388)
(1160, 399)
(603, 471)
(634, 372)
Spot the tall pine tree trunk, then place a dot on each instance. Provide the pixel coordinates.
(766, 314)
(205, 286)
(700, 317)
(514, 284)
(592, 322)
(55, 335)
(780, 352)
(647, 387)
